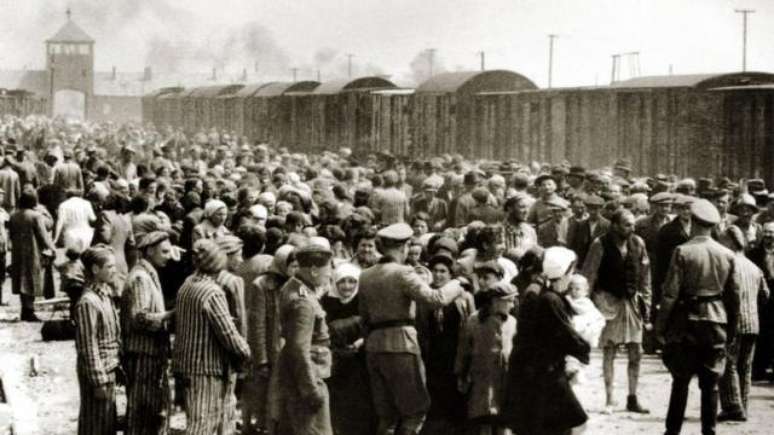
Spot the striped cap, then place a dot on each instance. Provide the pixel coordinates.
(229, 244)
(208, 257)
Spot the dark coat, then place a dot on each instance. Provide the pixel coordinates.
(670, 236)
(539, 398)
(580, 236)
(29, 238)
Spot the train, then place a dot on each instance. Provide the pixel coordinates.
(21, 103)
(703, 125)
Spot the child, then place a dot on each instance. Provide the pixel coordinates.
(482, 358)
(72, 275)
(587, 321)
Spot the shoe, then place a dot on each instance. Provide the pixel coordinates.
(608, 410)
(632, 405)
(732, 416)
(29, 316)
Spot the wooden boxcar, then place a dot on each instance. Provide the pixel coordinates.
(21, 103)
(150, 104)
(268, 112)
(699, 125)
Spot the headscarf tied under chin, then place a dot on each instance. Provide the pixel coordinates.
(212, 206)
(345, 270)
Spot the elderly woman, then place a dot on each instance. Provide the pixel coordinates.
(539, 399)
(439, 331)
(351, 411)
(213, 221)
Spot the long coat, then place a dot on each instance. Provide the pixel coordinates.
(115, 230)
(29, 238)
(539, 399)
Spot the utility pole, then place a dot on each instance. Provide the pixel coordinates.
(295, 73)
(318, 75)
(616, 57)
(482, 54)
(349, 64)
(744, 13)
(551, 38)
(430, 59)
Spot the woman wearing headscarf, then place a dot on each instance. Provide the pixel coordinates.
(263, 336)
(539, 399)
(213, 224)
(350, 402)
(439, 331)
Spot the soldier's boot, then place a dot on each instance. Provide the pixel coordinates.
(709, 411)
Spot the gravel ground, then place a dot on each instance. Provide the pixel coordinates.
(48, 402)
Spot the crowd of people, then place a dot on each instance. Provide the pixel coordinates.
(267, 291)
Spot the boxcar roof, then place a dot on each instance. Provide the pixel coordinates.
(249, 90)
(213, 91)
(475, 81)
(275, 89)
(361, 83)
(701, 81)
(163, 91)
(181, 94)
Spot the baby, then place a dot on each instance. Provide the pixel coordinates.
(587, 321)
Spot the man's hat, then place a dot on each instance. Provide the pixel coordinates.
(491, 266)
(557, 203)
(399, 232)
(683, 200)
(593, 200)
(577, 171)
(705, 211)
(542, 177)
(623, 164)
(662, 198)
(314, 253)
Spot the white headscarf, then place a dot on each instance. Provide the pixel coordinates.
(345, 270)
(212, 206)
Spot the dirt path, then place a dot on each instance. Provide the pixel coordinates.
(48, 403)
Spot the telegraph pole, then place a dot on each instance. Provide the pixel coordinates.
(744, 13)
(318, 75)
(349, 64)
(431, 58)
(551, 38)
(295, 73)
(482, 54)
(615, 67)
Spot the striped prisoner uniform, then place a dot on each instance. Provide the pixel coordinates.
(234, 288)
(207, 344)
(146, 352)
(97, 343)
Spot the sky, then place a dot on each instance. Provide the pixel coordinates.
(269, 37)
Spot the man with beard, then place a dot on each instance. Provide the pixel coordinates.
(698, 317)
(618, 271)
(146, 338)
(366, 254)
(763, 257)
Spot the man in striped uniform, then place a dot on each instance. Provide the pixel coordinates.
(207, 343)
(97, 343)
(234, 288)
(146, 338)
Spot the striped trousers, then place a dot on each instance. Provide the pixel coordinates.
(737, 378)
(209, 405)
(96, 416)
(147, 394)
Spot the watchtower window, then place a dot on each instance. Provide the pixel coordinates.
(83, 49)
(54, 49)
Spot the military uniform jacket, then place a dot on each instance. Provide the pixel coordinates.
(305, 360)
(388, 295)
(701, 286)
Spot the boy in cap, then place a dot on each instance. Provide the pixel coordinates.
(698, 317)
(389, 292)
(553, 230)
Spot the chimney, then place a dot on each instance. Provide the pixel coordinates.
(244, 74)
(147, 74)
(255, 68)
(113, 76)
(214, 74)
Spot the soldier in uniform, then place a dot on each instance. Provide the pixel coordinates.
(146, 338)
(305, 360)
(389, 291)
(697, 317)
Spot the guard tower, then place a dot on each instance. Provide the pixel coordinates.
(70, 68)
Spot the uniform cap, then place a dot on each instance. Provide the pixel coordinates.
(705, 211)
(398, 232)
(662, 198)
(229, 244)
(314, 253)
(153, 238)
